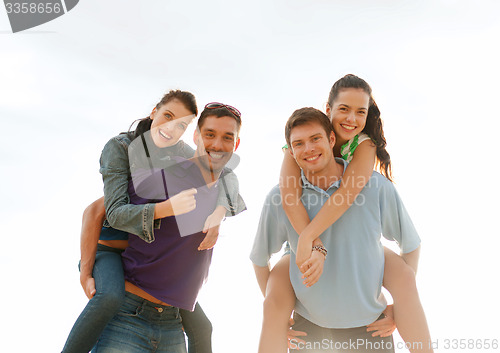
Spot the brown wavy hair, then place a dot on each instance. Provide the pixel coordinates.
(374, 124)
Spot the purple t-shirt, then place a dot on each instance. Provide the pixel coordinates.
(171, 268)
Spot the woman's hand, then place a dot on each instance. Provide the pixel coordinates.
(292, 335)
(383, 327)
(183, 202)
(211, 227)
(88, 285)
(313, 268)
(304, 250)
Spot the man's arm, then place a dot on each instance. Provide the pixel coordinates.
(411, 258)
(93, 218)
(262, 274)
(270, 236)
(397, 224)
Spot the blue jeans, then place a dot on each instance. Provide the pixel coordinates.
(142, 326)
(109, 282)
(110, 294)
(198, 329)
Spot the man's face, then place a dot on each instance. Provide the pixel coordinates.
(216, 141)
(311, 148)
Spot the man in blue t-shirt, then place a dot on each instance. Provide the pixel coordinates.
(335, 311)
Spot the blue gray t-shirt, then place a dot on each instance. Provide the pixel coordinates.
(348, 294)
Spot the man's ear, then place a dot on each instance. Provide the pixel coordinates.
(332, 139)
(290, 150)
(196, 136)
(237, 144)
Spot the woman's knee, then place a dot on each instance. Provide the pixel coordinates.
(401, 282)
(109, 300)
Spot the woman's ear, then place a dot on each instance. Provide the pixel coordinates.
(328, 110)
(151, 116)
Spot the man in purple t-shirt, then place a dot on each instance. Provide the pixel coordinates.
(167, 274)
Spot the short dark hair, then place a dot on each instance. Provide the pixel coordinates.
(218, 113)
(305, 116)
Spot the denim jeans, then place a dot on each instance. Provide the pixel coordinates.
(110, 293)
(142, 326)
(198, 329)
(321, 339)
(109, 282)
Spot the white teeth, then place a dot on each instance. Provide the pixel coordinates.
(215, 155)
(348, 127)
(312, 158)
(165, 135)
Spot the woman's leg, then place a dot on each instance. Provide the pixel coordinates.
(399, 280)
(110, 293)
(278, 307)
(198, 329)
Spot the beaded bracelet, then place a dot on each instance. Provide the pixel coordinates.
(321, 249)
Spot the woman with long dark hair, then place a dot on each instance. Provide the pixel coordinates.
(360, 140)
(155, 139)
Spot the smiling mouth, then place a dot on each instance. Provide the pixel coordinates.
(313, 158)
(348, 127)
(164, 135)
(216, 156)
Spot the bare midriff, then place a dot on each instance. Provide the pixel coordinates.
(117, 244)
(131, 288)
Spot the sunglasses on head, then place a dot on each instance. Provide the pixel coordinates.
(215, 105)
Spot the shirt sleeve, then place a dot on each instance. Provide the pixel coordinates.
(396, 223)
(271, 233)
(362, 137)
(229, 196)
(115, 170)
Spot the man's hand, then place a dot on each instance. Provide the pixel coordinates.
(383, 327)
(183, 202)
(88, 285)
(304, 249)
(210, 238)
(211, 227)
(293, 341)
(312, 269)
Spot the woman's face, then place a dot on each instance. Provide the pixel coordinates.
(169, 123)
(348, 113)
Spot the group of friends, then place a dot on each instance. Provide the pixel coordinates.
(146, 245)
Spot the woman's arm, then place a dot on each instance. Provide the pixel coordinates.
(134, 219)
(93, 218)
(290, 189)
(355, 177)
(115, 170)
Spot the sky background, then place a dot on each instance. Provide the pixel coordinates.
(69, 85)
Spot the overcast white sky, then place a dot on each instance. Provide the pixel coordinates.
(69, 85)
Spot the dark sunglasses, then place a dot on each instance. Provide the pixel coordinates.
(215, 105)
